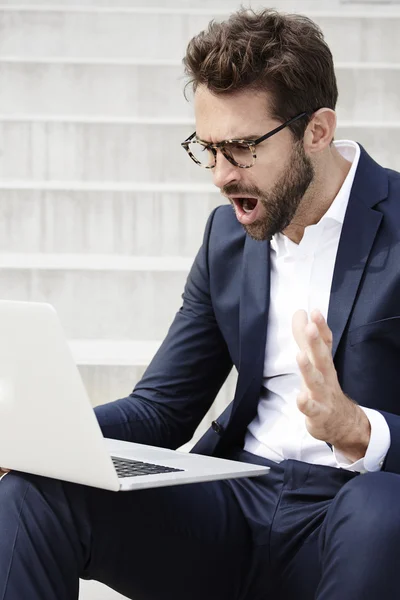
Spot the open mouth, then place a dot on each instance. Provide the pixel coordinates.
(246, 209)
(246, 205)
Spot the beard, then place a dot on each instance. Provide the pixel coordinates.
(283, 200)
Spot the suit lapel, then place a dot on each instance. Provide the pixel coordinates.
(254, 305)
(360, 227)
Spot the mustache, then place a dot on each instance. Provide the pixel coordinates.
(234, 188)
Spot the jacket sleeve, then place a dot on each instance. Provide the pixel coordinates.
(183, 378)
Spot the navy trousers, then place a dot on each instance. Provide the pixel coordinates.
(301, 532)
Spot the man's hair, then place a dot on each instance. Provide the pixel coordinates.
(283, 54)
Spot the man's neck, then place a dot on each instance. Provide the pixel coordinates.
(330, 173)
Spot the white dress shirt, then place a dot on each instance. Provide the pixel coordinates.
(301, 277)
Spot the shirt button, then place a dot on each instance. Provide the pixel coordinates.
(217, 427)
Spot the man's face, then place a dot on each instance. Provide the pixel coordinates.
(267, 196)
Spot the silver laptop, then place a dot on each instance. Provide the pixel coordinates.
(48, 427)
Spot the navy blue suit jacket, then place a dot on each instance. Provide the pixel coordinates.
(223, 322)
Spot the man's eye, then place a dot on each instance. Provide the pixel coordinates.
(239, 146)
(203, 148)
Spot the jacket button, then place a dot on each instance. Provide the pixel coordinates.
(217, 427)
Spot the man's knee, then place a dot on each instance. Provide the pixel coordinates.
(31, 497)
(45, 509)
(27, 498)
(367, 507)
(14, 485)
(13, 488)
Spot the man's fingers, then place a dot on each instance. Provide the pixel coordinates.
(318, 351)
(325, 332)
(299, 323)
(307, 405)
(313, 379)
(315, 339)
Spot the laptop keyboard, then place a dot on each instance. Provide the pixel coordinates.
(133, 468)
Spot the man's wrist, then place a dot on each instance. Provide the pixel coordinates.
(355, 442)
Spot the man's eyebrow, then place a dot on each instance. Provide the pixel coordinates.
(247, 138)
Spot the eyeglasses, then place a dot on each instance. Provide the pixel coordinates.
(240, 153)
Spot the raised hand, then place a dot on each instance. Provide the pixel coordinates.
(331, 416)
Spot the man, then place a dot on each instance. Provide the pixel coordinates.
(316, 224)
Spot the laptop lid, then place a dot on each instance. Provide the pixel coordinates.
(46, 419)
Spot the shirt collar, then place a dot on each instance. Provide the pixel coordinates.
(351, 152)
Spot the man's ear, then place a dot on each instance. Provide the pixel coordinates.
(320, 130)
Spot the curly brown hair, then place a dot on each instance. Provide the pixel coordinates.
(283, 54)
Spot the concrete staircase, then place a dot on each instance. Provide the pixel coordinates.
(101, 212)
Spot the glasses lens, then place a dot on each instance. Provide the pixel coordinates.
(200, 152)
(240, 153)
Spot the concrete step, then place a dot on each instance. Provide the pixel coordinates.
(113, 88)
(93, 590)
(97, 297)
(101, 150)
(136, 222)
(154, 89)
(292, 5)
(163, 33)
(110, 354)
(369, 92)
(380, 139)
(97, 150)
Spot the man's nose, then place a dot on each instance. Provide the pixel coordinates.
(224, 171)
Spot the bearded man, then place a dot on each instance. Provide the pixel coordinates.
(298, 287)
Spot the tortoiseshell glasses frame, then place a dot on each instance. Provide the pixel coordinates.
(244, 145)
